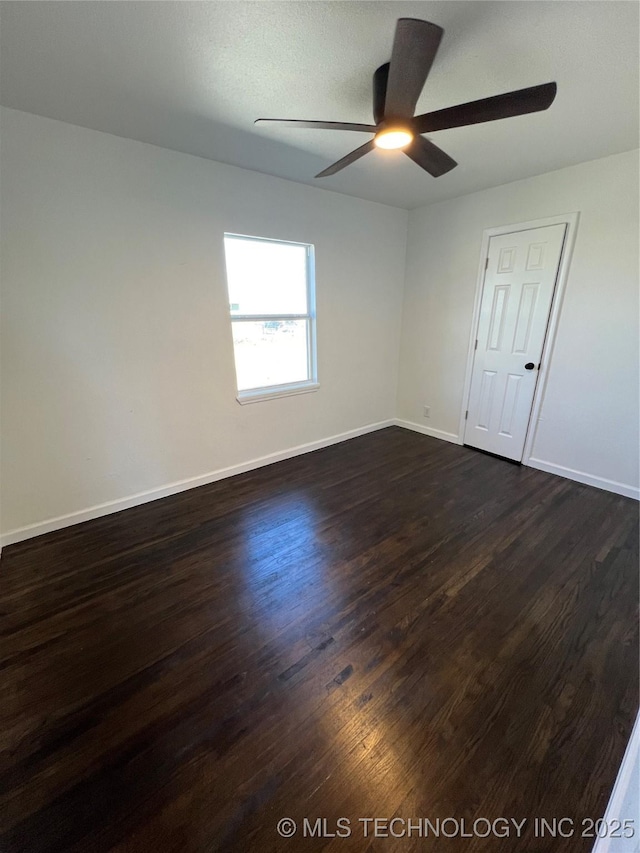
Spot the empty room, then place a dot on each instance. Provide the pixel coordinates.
(320, 426)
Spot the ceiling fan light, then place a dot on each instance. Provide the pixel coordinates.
(393, 138)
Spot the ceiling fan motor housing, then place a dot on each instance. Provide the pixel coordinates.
(380, 79)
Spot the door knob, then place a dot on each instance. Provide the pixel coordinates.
(529, 365)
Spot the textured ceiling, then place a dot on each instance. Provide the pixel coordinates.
(193, 76)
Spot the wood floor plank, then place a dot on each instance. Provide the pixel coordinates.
(389, 627)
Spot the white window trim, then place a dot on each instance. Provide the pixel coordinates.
(269, 392)
(256, 395)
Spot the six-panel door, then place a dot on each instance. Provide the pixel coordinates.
(516, 300)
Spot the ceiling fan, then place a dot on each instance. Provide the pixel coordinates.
(396, 88)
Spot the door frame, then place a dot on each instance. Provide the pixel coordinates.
(571, 221)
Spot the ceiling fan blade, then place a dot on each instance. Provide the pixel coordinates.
(414, 48)
(432, 159)
(319, 125)
(516, 103)
(346, 161)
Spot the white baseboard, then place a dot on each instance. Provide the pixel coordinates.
(540, 464)
(587, 479)
(97, 511)
(425, 430)
(625, 798)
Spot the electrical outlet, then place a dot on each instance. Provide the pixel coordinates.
(427, 411)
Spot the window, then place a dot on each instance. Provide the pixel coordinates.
(272, 308)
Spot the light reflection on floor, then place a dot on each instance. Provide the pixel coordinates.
(283, 570)
(284, 558)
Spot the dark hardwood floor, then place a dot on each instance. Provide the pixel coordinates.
(390, 627)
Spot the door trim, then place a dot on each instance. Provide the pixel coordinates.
(571, 221)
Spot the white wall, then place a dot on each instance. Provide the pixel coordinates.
(117, 361)
(589, 417)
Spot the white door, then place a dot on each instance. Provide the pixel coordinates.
(516, 299)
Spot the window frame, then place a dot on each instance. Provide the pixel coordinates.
(288, 389)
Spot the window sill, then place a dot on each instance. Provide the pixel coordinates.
(261, 394)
